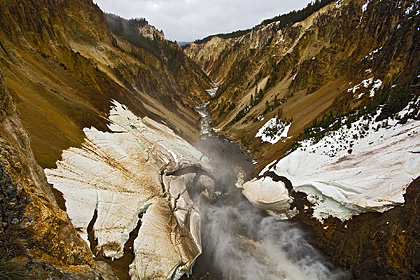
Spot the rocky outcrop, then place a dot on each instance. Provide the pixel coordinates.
(133, 27)
(151, 32)
(34, 231)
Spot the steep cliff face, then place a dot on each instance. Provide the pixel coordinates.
(63, 66)
(36, 235)
(310, 69)
(274, 83)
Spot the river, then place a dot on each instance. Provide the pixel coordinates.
(240, 242)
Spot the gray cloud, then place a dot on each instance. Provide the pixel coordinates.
(187, 20)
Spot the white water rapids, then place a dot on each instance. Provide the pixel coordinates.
(240, 242)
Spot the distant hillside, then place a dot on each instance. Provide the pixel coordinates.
(141, 34)
(284, 21)
(130, 30)
(181, 44)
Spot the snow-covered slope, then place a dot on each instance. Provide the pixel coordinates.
(273, 130)
(122, 174)
(364, 167)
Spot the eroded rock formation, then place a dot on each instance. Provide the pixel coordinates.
(64, 66)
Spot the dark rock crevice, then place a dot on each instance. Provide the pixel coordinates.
(120, 266)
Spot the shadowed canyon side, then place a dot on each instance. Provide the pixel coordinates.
(330, 103)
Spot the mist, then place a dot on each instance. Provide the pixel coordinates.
(240, 242)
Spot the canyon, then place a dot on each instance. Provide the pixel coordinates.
(117, 144)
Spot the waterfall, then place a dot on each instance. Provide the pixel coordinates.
(240, 242)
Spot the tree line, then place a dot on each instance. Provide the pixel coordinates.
(284, 20)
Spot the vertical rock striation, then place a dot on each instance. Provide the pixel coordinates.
(64, 65)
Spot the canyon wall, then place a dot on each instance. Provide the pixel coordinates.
(63, 66)
(304, 72)
(37, 237)
(285, 91)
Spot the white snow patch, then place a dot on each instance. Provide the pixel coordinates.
(273, 130)
(260, 118)
(345, 174)
(410, 9)
(212, 91)
(281, 40)
(372, 54)
(364, 7)
(268, 195)
(376, 85)
(267, 167)
(368, 83)
(174, 156)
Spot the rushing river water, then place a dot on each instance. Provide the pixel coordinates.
(240, 242)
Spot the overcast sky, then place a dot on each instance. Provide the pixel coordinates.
(187, 20)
